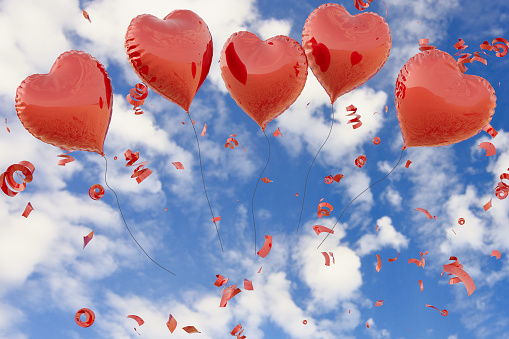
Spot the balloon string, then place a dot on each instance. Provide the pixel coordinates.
(203, 181)
(252, 200)
(125, 223)
(361, 194)
(305, 185)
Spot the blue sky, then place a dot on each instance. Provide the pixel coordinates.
(46, 275)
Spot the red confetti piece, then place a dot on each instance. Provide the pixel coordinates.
(327, 259)
(328, 179)
(338, 177)
(248, 285)
(453, 231)
(220, 281)
(27, 211)
(360, 161)
(332, 256)
(386, 109)
(376, 140)
(408, 162)
(178, 165)
(131, 157)
(500, 43)
(67, 159)
(87, 238)
(86, 16)
(236, 329)
(141, 174)
(171, 323)
(90, 317)
(296, 194)
(421, 262)
(190, 329)
(457, 269)
(443, 312)
(379, 303)
(356, 120)
(304, 322)
(425, 212)
(138, 319)
(267, 246)
(266, 180)
(421, 285)
(228, 294)
(115, 158)
(278, 133)
(136, 97)
(423, 45)
(489, 147)
(487, 206)
(322, 211)
(379, 263)
(461, 221)
(9, 186)
(367, 324)
(231, 142)
(216, 219)
(260, 269)
(377, 228)
(496, 254)
(394, 259)
(460, 44)
(204, 130)
(361, 5)
(319, 229)
(96, 192)
(7, 127)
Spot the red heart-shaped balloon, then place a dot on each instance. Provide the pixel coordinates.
(172, 56)
(70, 107)
(438, 105)
(263, 77)
(344, 51)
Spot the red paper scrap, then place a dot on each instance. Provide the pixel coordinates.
(190, 329)
(379, 263)
(489, 147)
(248, 285)
(215, 219)
(138, 319)
(496, 254)
(421, 285)
(266, 180)
(394, 259)
(90, 317)
(267, 246)
(86, 16)
(408, 162)
(96, 192)
(178, 165)
(327, 259)
(461, 221)
(319, 229)
(28, 209)
(457, 269)
(360, 161)
(487, 206)
(204, 130)
(87, 238)
(379, 303)
(425, 212)
(228, 294)
(277, 133)
(490, 130)
(171, 323)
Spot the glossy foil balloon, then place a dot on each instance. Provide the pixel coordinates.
(344, 51)
(172, 56)
(70, 107)
(263, 77)
(438, 105)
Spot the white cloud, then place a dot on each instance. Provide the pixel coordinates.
(387, 236)
(393, 197)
